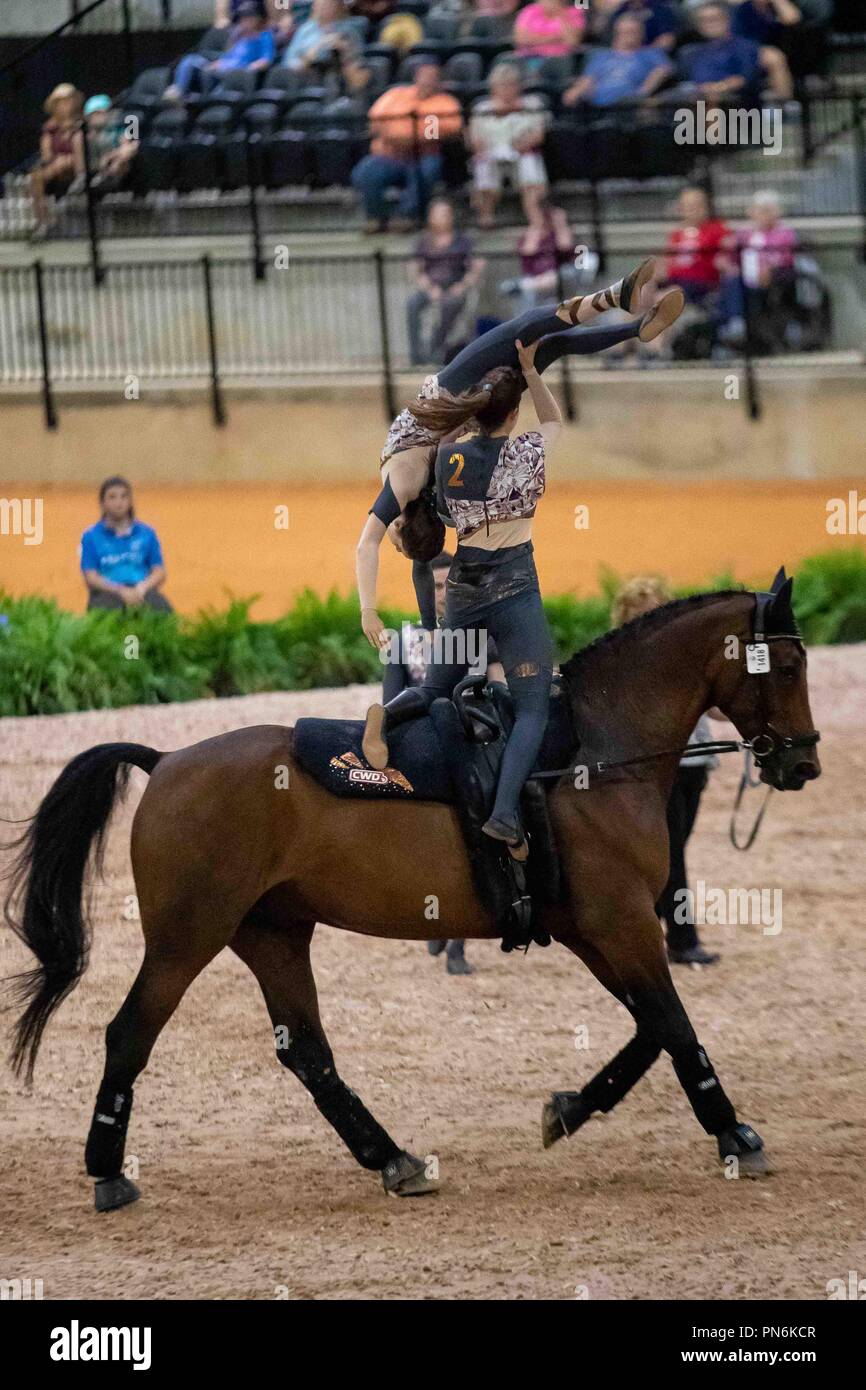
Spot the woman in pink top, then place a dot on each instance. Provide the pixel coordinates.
(764, 257)
(549, 29)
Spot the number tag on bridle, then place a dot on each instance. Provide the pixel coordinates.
(758, 658)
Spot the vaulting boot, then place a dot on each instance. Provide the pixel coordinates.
(510, 832)
(625, 294)
(661, 315)
(381, 719)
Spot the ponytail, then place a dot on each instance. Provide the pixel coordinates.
(491, 402)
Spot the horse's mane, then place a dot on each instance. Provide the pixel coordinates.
(578, 665)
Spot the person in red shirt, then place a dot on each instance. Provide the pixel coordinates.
(696, 249)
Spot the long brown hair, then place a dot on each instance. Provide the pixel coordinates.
(491, 402)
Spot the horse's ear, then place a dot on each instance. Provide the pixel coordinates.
(780, 607)
(778, 581)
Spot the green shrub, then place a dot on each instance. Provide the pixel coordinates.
(53, 662)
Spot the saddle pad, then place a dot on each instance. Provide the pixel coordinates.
(330, 751)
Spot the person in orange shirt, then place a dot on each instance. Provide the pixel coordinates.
(408, 125)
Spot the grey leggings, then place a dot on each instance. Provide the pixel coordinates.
(497, 592)
(496, 348)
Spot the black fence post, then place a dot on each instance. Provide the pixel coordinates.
(753, 399)
(217, 403)
(128, 47)
(387, 379)
(860, 156)
(92, 224)
(47, 395)
(598, 225)
(255, 224)
(567, 386)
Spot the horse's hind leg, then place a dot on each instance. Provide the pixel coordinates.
(166, 973)
(277, 951)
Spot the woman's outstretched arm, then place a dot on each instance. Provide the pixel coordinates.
(546, 408)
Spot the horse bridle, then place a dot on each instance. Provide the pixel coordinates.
(769, 743)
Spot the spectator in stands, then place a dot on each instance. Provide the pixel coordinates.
(445, 270)
(328, 33)
(61, 153)
(226, 11)
(506, 134)
(765, 258)
(121, 558)
(726, 66)
(661, 22)
(628, 71)
(252, 48)
(546, 251)
(408, 124)
(636, 597)
(548, 29)
(795, 29)
(110, 149)
(696, 250)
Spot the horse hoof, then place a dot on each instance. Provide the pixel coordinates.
(406, 1176)
(551, 1125)
(111, 1193)
(745, 1147)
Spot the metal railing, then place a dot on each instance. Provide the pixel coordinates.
(310, 319)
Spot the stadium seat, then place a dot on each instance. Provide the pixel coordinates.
(464, 69)
(334, 157)
(235, 86)
(279, 84)
(379, 68)
(445, 27)
(287, 159)
(304, 115)
(213, 43)
(147, 90)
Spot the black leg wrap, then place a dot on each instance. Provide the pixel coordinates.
(107, 1138)
(313, 1064)
(704, 1090)
(607, 1088)
(615, 1080)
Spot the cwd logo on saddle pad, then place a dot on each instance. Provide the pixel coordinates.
(370, 775)
(349, 766)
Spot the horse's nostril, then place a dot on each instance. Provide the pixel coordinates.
(808, 771)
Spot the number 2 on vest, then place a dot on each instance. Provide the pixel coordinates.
(455, 480)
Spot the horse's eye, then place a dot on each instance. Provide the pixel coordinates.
(789, 673)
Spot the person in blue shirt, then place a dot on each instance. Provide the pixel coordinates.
(121, 558)
(251, 46)
(725, 65)
(628, 71)
(661, 23)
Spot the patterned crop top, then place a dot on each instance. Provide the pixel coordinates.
(477, 485)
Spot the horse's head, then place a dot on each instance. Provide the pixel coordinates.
(761, 686)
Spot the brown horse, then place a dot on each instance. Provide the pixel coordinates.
(233, 845)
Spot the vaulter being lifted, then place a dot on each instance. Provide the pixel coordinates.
(487, 485)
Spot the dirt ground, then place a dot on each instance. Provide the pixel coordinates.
(247, 1192)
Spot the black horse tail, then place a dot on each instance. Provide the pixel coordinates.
(44, 905)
